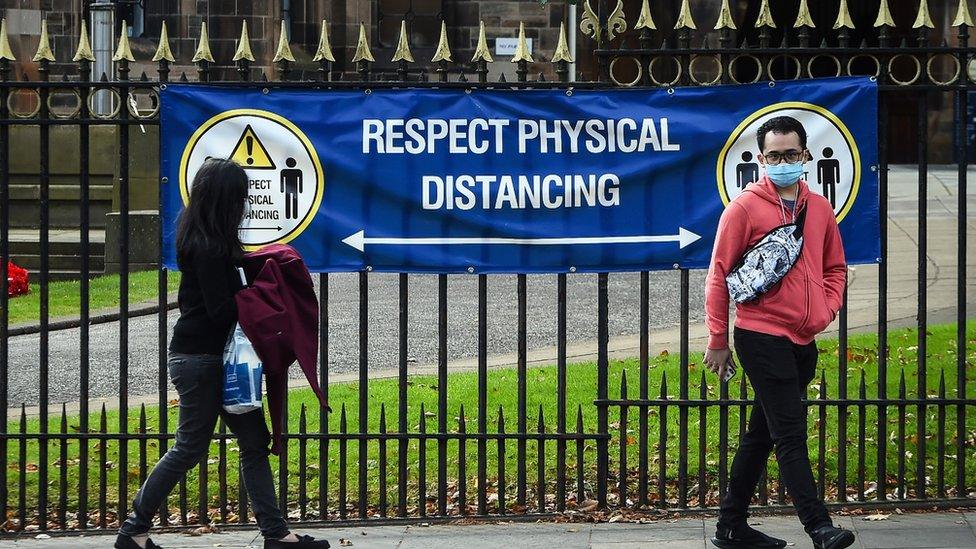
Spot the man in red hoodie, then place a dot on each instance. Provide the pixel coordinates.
(774, 334)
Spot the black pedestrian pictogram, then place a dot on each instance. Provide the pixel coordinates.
(250, 153)
(747, 171)
(291, 186)
(828, 176)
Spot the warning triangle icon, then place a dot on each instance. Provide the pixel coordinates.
(250, 153)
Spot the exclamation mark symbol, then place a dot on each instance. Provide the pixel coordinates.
(249, 143)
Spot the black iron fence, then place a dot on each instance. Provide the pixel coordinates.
(665, 445)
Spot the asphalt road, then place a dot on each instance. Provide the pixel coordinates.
(383, 327)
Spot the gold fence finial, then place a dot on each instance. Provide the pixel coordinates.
(617, 22)
(481, 52)
(324, 51)
(443, 52)
(44, 46)
(685, 21)
(284, 50)
(203, 52)
(123, 51)
(562, 52)
(162, 51)
(84, 50)
(843, 17)
(362, 48)
(962, 15)
(589, 22)
(645, 20)
(923, 18)
(5, 51)
(522, 48)
(765, 18)
(884, 16)
(725, 19)
(803, 17)
(243, 46)
(402, 52)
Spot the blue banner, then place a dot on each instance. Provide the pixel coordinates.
(526, 181)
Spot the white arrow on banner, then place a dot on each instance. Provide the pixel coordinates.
(359, 240)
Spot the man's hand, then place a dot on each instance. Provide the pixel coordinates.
(717, 359)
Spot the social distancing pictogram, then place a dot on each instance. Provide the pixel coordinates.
(833, 168)
(285, 178)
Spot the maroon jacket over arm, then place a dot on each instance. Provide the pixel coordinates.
(279, 313)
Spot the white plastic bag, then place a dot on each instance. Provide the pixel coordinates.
(242, 372)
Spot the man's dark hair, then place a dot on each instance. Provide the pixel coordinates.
(781, 125)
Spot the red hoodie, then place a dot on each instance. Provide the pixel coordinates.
(807, 299)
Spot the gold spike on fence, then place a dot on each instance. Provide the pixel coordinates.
(765, 18)
(522, 48)
(685, 20)
(122, 51)
(725, 19)
(923, 18)
(5, 51)
(962, 15)
(884, 16)
(843, 17)
(324, 51)
(84, 51)
(481, 52)
(645, 20)
(562, 52)
(362, 48)
(283, 52)
(203, 47)
(443, 52)
(163, 53)
(243, 52)
(403, 52)
(44, 52)
(803, 17)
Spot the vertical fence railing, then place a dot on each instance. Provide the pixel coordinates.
(552, 463)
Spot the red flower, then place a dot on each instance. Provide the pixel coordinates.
(16, 280)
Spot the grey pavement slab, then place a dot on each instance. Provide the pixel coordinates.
(948, 530)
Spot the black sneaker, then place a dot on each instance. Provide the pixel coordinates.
(304, 542)
(831, 537)
(744, 536)
(125, 542)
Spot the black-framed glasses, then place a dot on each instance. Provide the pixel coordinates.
(789, 156)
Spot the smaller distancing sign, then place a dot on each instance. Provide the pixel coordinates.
(285, 178)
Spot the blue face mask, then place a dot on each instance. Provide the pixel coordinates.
(784, 174)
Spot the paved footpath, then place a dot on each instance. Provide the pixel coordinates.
(956, 530)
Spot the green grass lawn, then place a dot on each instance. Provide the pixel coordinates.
(65, 296)
(580, 392)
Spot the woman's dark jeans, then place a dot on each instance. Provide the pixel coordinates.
(779, 371)
(199, 381)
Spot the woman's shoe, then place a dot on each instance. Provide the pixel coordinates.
(125, 542)
(304, 542)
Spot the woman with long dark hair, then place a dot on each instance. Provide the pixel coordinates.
(208, 252)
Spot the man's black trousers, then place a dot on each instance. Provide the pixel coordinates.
(779, 371)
